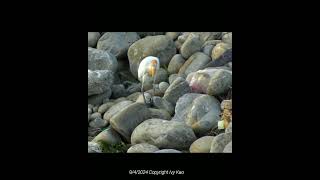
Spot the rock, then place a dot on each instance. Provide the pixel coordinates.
(228, 148)
(118, 107)
(220, 82)
(220, 141)
(98, 123)
(212, 81)
(168, 151)
(104, 107)
(157, 91)
(196, 62)
(93, 38)
(207, 36)
(90, 106)
(173, 77)
(182, 38)
(89, 115)
(132, 87)
(146, 95)
(159, 46)
(204, 114)
(127, 76)
(211, 42)
(227, 38)
(93, 131)
(190, 46)
(226, 104)
(219, 50)
(207, 49)
(178, 45)
(99, 81)
(129, 118)
(173, 35)
(142, 148)
(161, 76)
(183, 106)
(95, 115)
(159, 114)
(175, 64)
(163, 134)
(134, 96)
(99, 98)
(118, 91)
(229, 128)
(120, 99)
(89, 110)
(160, 103)
(177, 89)
(101, 60)
(117, 43)
(199, 111)
(163, 86)
(95, 108)
(144, 34)
(94, 148)
(201, 145)
(108, 136)
(222, 60)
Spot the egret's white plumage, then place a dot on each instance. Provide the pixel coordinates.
(148, 67)
(145, 64)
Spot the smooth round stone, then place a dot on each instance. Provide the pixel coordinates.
(142, 148)
(168, 151)
(94, 147)
(201, 145)
(95, 115)
(163, 86)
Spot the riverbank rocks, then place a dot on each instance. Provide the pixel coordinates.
(104, 107)
(159, 114)
(129, 118)
(220, 141)
(144, 34)
(212, 81)
(117, 43)
(115, 109)
(164, 134)
(173, 77)
(168, 151)
(160, 103)
(201, 145)
(98, 123)
(173, 35)
(199, 111)
(142, 148)
(94, 148)
(227, 38)
(108, 136)
(191, 45)
(196, 62)
(118, 90)
(177, 89)
(163, 86)
(219, 50)
(99, 81)
(101, 60)
(161, 76)
(175, 64)
(93, 38)
(98, 99)
(228, 148)
(159, 46)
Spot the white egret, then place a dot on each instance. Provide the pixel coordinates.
(148, 68)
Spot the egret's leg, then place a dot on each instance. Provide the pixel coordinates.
(154, 89)
(142, 91)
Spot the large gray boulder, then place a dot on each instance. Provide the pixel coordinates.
(177, 89)
(93, 37)
(220, 141)
(195, 62)
(191, 45)
(142, 148)
(117, 43)
(159, 46)
(101, 60)
(164, 134)
(99, 81)
(129, 118)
